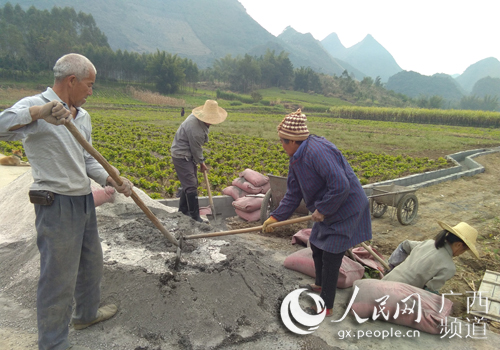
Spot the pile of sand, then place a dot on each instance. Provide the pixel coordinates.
(10, 173)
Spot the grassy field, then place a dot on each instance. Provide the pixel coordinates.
(134, 132)
(419, 140)
(275, 94)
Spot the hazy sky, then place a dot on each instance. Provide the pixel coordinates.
(426, 36)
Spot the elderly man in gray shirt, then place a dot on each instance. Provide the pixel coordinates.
(187, 153)
(71, 262)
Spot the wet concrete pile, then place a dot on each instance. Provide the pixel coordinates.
(226, 293)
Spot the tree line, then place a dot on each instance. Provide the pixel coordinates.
(31, 41)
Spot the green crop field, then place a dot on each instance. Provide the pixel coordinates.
(135, 136)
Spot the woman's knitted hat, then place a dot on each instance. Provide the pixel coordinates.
(293, 127)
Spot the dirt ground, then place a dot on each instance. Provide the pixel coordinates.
(228, 291)
(475, 200)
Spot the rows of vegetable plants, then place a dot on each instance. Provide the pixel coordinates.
(137, 141)
(141, 151)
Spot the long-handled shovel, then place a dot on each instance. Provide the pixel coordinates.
(249, 229)
(212, 206)
(233, 232)
(378, 258)
(276, 224)
(111, 171)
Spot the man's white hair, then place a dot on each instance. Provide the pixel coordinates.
(73, 64)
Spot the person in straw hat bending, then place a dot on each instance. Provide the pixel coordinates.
(430, 263)
(319, 174)
(187, 153)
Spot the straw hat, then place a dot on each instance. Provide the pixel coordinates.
(210, 113)
(465, 232)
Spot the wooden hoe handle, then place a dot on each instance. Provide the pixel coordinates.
(112, 172)
(212, 206)
(375, 255)
(249, 229)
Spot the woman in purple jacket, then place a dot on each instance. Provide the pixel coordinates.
(320, 175)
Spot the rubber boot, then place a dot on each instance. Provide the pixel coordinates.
(183, 204)
(194, 207)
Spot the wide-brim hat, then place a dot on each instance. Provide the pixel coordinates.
(465, 232)
(210, 112)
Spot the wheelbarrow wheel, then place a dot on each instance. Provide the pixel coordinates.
(407, 209)
(266, 207)
(378, 209)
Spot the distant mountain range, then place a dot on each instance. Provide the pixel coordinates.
(414, 84)
(301, 47)
(368, 56)
(489, 67)
(206, 30)
(479, 79)
(487, 86)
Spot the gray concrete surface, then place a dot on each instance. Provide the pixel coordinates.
(464, 166)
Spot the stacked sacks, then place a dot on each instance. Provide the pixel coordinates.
(302, 261)
(248, 208)
(359, 254)
(403, 304)
(256, 179)
(247, 191)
